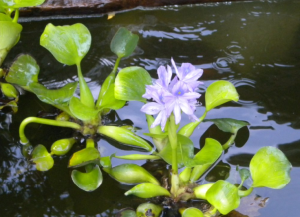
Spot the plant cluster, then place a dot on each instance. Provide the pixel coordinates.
(168, 98)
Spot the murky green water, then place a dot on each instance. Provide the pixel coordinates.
(255, 45)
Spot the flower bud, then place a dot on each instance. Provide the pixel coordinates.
(62, 146)
(132, 174)
(148, 190)
(9, 90)
(148, 209)
(200, 191)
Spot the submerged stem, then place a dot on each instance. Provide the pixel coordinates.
(29, 120)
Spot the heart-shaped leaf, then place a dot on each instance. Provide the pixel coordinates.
(185, 151)
(84, 157)
(59, 96)
(15, 4)
(223, 196)
(228, 125)
(42, 159)
(123, 42)
(124, 136)
(68, 44)
(131, 84)
(192, 212)
(270, 168)
(219, 93)
(81, 111)
(23, 71)
(244, 174)
(89, 181)
(9, 34)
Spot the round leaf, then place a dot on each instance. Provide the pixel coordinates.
(223, 196)
(270, 168)
(42, 158)
(123, 42)
(68, 44)
(62, 146)
(84, 157)
(9, 34)
(124, 136)
(244, 174)
(228, 125)
(219, 93)
(54, 97)
(126, 213)
(9, 90)
(192, 212)
(23, 71)
(130, 84)
(88, 181)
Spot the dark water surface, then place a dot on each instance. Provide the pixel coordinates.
(255, 45)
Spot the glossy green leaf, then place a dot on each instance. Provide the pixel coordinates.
(201, 190)
(84, 157)
(223, 196)
(59, 96)
(124, 136)
(131, 84)
(23, 71)
(185, 151)
(132, 174)
(148, 190)
(12, 104)
(219, 93)
(148, 209)
(209, 154)
(62, 146)
(9, 34)
(138, 157)
(106, 97)
(192, 212)
(89, 181)
(42, 159)
(68, 44)
(15, 4)
(124, 42)
(127, 213)
(228, 125)
(270, 168)
(9, 90)
(4, 17)
(81, 111)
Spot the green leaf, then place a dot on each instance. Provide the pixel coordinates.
(131, 84)
(138, 157)
(59, 96)
(89, 181)
(185, 151)
(192, 212)
(219, 93)
(23, 71)
(11, 104)
(148, 190)
(223, 196)
(127, 213)
(42, 158)
(15, 4)
(157, 136)
(62, 146)
(84, 157)
(106, 97)
(124, 136)
(209, 154)
(132, 174)
(228, 125)
(81, 111)
(4, 17)
(68, 44)
(9, 34)
(244, 174)
(124, 43)
(9, 90)
(270, 168)
(148, 209)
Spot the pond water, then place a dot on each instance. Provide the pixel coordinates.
(255, 45)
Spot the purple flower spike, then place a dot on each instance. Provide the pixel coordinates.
(174, 96)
